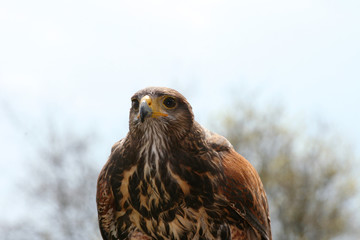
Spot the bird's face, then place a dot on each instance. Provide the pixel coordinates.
(160, 111)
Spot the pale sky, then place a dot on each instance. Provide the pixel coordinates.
(79, 62)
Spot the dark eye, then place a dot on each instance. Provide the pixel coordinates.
(169, 102)
(135, 103)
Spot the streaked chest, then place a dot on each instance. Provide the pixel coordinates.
(160, 202)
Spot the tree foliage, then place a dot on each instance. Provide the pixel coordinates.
(306, 173)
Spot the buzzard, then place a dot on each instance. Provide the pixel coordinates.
(170, 178)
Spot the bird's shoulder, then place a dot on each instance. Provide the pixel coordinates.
(116, 149)
(213, 140)
(106, 171)
(118, 145)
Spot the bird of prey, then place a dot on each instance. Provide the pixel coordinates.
(170, 178)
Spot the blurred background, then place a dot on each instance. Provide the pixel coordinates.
(280, 79)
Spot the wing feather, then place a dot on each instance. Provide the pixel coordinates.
(105, 198)
(244, 192)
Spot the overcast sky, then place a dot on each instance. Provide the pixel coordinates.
(79, 62)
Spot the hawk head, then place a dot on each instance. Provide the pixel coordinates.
(160, 112)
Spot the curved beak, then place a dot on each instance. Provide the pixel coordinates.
(145, 110)
(149, 108)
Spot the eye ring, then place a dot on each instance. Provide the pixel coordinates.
(135, 104)
(169, 102)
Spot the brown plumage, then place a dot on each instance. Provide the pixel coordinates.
(170, 178)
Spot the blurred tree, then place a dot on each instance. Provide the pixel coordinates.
(307, 175)
(66, 184)
(60, 191)
(22, 230)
